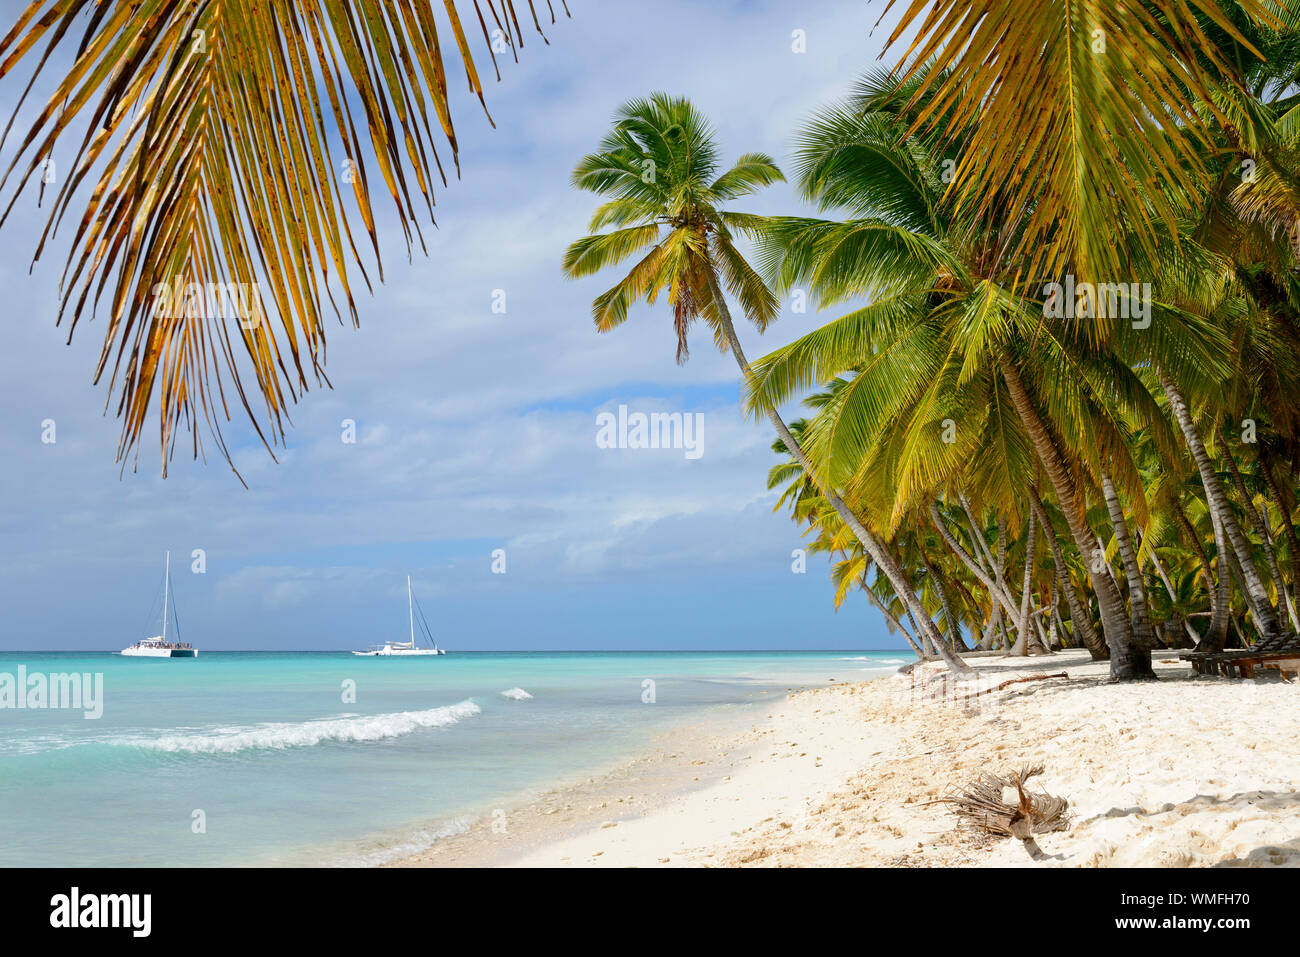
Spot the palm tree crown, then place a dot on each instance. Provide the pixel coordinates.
(659, 167)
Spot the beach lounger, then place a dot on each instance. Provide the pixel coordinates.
(1282, 653)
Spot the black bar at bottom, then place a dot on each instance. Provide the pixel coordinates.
(337, 907)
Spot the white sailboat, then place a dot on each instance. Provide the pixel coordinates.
(406, 649)
(159, 646)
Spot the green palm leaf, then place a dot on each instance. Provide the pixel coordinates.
(1081, 117)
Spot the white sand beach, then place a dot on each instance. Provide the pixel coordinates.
(1184, 772)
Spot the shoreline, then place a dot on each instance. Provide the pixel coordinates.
(679, 761)
(1186, 771)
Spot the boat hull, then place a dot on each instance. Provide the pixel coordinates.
(400, 653)
(160, 652)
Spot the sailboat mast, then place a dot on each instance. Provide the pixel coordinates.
(167, 583)
(410, 610)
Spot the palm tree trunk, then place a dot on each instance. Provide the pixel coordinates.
(1173, 595)
(1266, 619)
(1260, 526)
(1038, 642)
(1236, 628)
(991, 630)
(1110, 572)
(954, 627)
(1274, 567)
(1216, 586)
(1223, 561)
(927, 646)
(984, 559)
(1083, 629)
(999, 570)
(977, 536)
(1021, 647)
(1053, 639)
(1129, 661)
(1006, 635)
(873, 546)
(1293, 543)
(892, 619)
(970, 603)
(995, 588)
(1137, 594)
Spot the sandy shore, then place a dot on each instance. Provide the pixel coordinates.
(1185, 772)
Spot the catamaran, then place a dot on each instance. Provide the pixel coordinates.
(407, 649)
(159, 646)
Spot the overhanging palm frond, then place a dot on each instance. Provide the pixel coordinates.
(218, 219)
(1071, 112)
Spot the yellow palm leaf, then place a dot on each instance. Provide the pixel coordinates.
(1080, 118)
(229, 149)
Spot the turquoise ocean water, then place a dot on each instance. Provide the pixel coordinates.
(286, 771)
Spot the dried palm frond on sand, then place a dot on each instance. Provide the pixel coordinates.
(980, 805)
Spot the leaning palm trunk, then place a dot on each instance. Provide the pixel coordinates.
(1216, 635)
(1261, 527)
(993, 585)
(1083, 629)
(1129, 661)
(991, 630)
(893, 620)
(982, 547)
(1054, 618)
(1169, 590)
(1257, 594)
(1137, 594)
(954, 626)
(999, 565)
(1021, 647)
(1110, 572)
(1052, 642)
(1274, 569)
(927, 646)
(873, 546)
(1288, 527)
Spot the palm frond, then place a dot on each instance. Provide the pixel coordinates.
(1079, 117)
(211, 133)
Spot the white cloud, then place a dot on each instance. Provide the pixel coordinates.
(473, 428)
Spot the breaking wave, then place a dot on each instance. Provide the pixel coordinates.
(305, 734)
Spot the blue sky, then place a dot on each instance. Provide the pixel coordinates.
(475, 431)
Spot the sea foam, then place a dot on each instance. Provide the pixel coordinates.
(304, 734)
(516, 694)
(415, 843)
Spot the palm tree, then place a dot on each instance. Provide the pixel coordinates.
(209, 133)
(659, 168)
(1065, 108)
(1079, 614)
(952, 332)
(944, 339)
